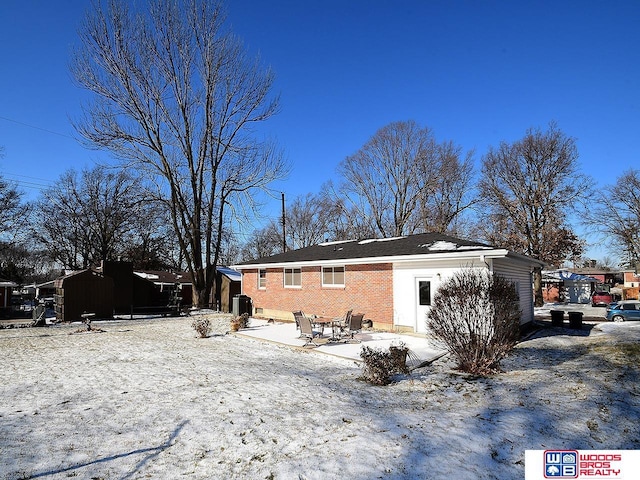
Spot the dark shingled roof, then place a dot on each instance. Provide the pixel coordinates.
(421, 244)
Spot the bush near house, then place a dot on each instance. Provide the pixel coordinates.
(476, 316)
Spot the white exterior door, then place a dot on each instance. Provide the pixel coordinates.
(424, 289)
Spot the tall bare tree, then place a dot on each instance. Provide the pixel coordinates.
(529, 187)
(399, 175)
(614, 213)
(177, 96)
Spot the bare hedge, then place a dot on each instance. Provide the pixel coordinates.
(476, 316)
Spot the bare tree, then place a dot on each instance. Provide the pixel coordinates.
(528, 187)
(86, 218)
(59, 226)
(12, 208)
(347, 221)
(263, 243)
(453, 192)
(401, 181)
(387, 178)
(177, 96)
(309, 219)
(152, 243)
(614, 213)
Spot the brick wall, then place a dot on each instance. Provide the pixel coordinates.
(368, 289)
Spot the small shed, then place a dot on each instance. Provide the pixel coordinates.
(84, 291)
(228, 285)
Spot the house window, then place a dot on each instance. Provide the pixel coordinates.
(292, 277)
(424, 293)
(262, 279)
(333, 276)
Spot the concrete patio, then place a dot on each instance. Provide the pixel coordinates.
(421, 347)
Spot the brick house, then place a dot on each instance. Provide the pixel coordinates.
(391, 280)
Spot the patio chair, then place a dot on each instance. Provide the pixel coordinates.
(297, 316)
(354, 326)
(307, 332)
(343, 321)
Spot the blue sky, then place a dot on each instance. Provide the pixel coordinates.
(476, 72)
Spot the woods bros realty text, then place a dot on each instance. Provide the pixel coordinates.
(592, 464)
(595, 464)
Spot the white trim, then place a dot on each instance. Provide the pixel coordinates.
(398, 259)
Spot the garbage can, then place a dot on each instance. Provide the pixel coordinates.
(557, 318)
(575, 320)
(241, 304)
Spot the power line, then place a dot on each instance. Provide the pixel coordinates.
(37, 185)
(47, 182)
(36, 127)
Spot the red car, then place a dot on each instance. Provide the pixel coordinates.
(601, 299)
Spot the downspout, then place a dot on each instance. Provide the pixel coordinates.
(489, 264)
(532, 310)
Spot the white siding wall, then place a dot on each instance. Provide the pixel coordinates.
(520, 274)
(405, 302)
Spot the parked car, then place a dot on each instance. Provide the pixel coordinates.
(626, 310)
(601, 299)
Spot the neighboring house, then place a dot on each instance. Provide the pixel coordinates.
(631, 279)
(565, 286)
(631, 285)
(392, 280)
(114, 288)
(607, 279)
(6, 288)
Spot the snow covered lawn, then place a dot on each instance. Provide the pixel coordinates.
(147, 399)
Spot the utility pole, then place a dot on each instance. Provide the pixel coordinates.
(284, 231)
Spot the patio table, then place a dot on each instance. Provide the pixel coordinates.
(322, 322)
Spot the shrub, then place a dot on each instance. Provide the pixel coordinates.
(202, 326)
(379, 365)
(476, 316)
(244, 320)
(241, 321)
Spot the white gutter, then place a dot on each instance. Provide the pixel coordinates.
(462, 255)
